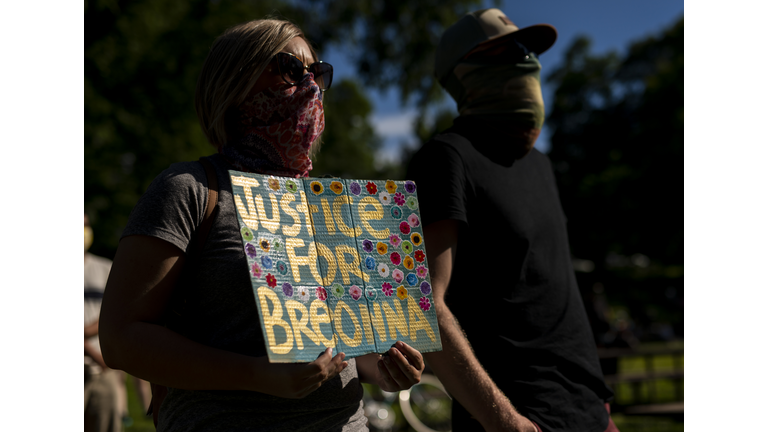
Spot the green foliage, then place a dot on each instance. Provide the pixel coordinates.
(617, 151)
(349, 141)
(617, 147)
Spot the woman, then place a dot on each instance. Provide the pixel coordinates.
(264, 113)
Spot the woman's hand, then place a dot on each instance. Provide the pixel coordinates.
(296, 381)
(398, 369)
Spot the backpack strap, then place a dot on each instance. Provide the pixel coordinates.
(211, 210)
(212, 206)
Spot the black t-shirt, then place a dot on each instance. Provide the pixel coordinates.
(513, 288)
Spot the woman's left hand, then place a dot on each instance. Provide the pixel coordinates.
(399, 368)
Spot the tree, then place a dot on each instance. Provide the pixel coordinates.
(617, 150)
(349, 141)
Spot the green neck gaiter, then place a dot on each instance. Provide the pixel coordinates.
(513, 91)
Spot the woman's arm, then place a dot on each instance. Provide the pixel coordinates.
(144, 273)
(400, 369)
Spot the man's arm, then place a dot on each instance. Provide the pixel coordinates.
(92, 329)
(456, 365)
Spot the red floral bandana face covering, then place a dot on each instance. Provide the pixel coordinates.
(273, 129)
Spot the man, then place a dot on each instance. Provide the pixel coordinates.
(104, 391)
(497, 244)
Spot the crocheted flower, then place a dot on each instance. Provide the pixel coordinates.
(397, 275)
(271, 281)
(256, 270)
(266, 261)
(412, 279)
(370, 263)
(316, 187)
(395, 258)
(419, 255)
(371, 188)
(396, 213)
(405, 228)
(425, 288)
(386, 288)
(246, 233)
(390, 186)
(416, 239)
(394, 240)
(421, 271)
(385, 198)
(424, 304)
(381, 248)
(264, 245)
(370, 293)
(413, 220)
(277, 245)
(321, 293)
(337, 187)
(410, 187)
(274, 184)
(291, 186)
(402, 293)
(337, 290)
(355, 188)
(407, 247)
(355, 292)
(302, 293)
(288, 289)
(399, 199)
(383, 270)
(282, 267)
(408, 263)
(412, 203)
(368, 246)
(250, 250)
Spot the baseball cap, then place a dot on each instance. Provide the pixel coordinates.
(483, 26)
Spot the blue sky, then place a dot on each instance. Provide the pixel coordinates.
(611, 24)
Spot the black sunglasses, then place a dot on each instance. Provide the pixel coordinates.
(292, 70)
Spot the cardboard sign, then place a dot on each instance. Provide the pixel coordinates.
(335, 263)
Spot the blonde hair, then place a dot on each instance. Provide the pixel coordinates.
(236, 60)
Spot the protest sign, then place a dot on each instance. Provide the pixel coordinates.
(335, 263)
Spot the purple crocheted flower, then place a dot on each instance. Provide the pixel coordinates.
(410, 187)
(425, 288)
(288, 289)
(250, 250)
(355, 188)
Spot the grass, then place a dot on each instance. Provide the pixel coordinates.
(627, 423)
(141, 423)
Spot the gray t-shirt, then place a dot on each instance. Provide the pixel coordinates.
(215, 299)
